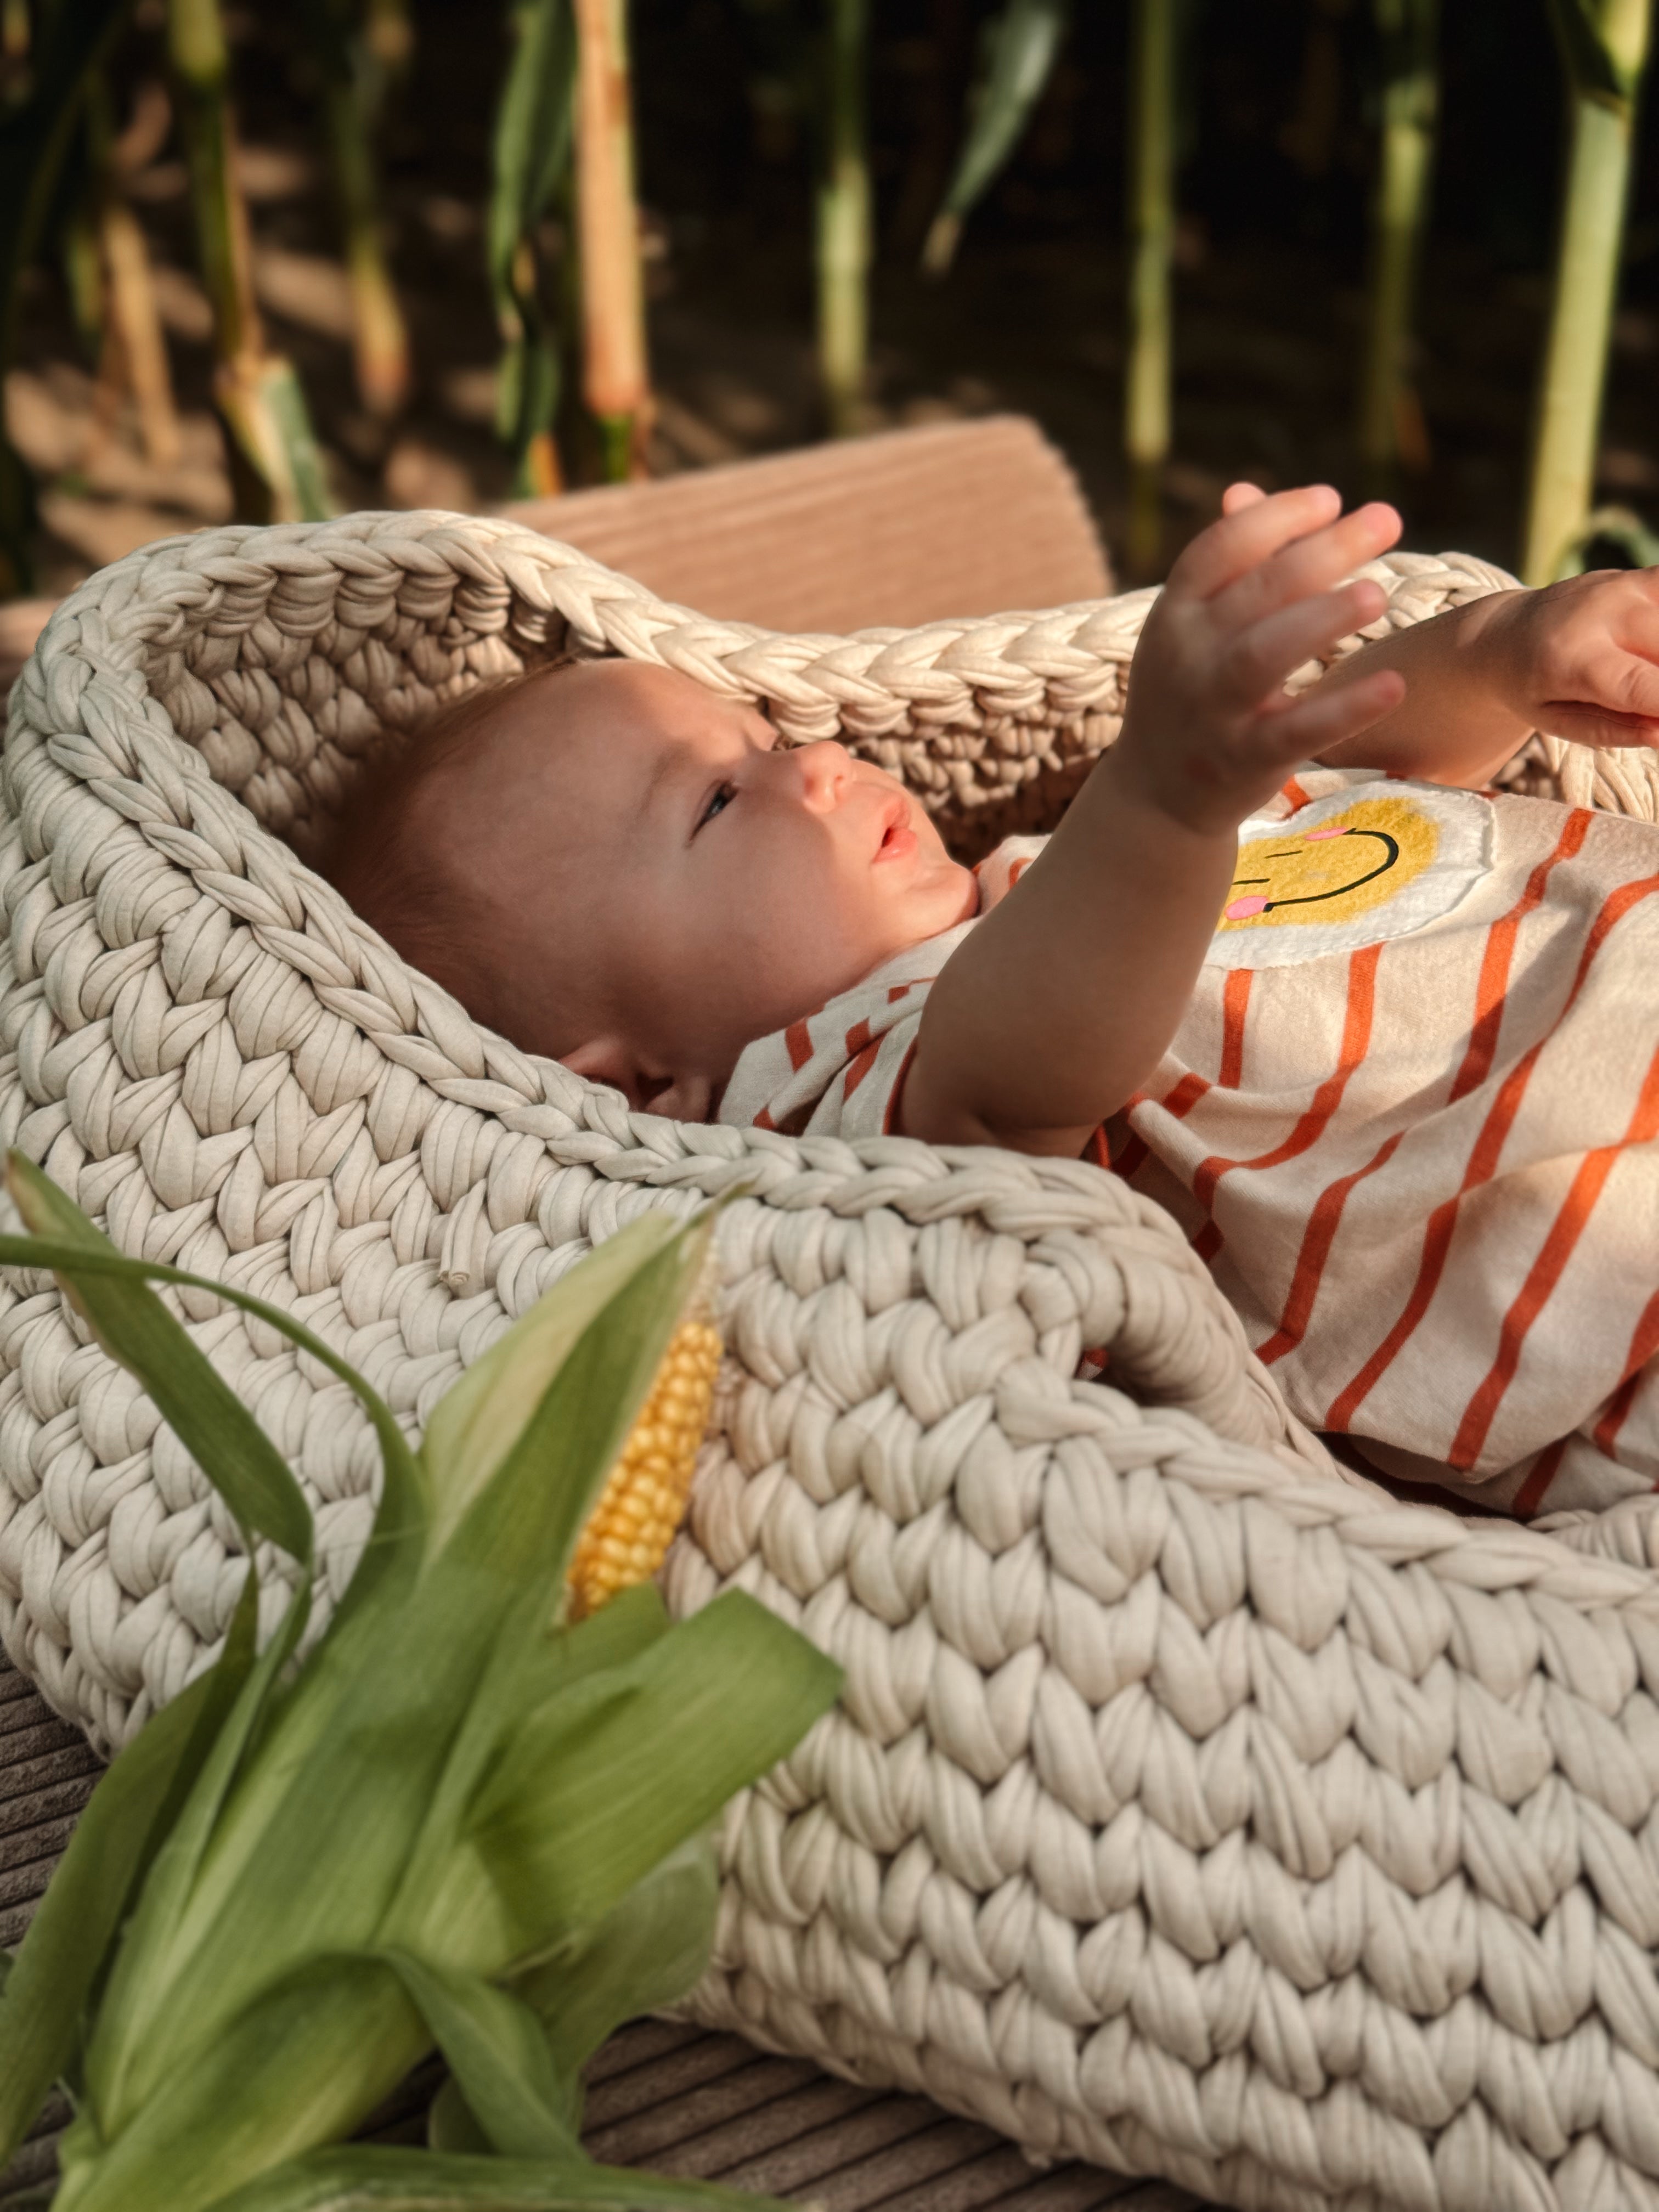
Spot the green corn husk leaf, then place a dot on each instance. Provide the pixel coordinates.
(382, 1716)
(595, 1788)
(480, 1418)
(287, 2072)
(67, 1943)
(648, 1951)
(257, 2007)
(360, 2177)
(1024, 44)
(208, 1419)
(518, 1524)
(497, 2057)
(448, 1904)
(66, 1241)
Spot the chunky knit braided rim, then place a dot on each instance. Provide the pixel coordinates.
(1188, 1809)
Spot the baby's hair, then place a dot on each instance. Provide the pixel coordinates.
(375, 856)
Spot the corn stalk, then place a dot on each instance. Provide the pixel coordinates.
(460, 1822)
(843, 219)
(353, 84)
(276, 468)
(35, 134)
(1604, 46)
(121, 307)
(616, 381)
(387, 47)
(14, 48)
(1154, 37)
(1024, 44)
(532, 158)
(1389, 418)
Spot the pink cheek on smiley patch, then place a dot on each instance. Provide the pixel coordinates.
(1242, 909)
(1313, 836)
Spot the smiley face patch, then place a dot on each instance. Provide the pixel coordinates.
(1349, 871)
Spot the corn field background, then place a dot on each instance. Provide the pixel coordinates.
(443, 253)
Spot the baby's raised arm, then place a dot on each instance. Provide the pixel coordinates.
(1062, 1001)
(1579, 659)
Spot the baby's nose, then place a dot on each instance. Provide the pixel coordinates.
(826, 769)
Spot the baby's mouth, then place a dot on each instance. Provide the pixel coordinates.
(897, 837)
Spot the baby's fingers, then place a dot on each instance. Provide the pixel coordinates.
(1259, 660)
(1249, 532)
(1312, 563)
(1329, 714)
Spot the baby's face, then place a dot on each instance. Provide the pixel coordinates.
(715, 885)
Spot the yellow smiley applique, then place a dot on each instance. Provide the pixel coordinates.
(1348, 871)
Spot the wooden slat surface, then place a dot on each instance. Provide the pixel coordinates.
(676, 2099)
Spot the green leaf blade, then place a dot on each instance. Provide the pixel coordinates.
(135, 1328)
(1024, 44)
(481, 1418)
(594, 1790)
(361, 2177)
(52, 1975)
(494, 2046)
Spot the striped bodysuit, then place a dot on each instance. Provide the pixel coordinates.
(1408, 1119)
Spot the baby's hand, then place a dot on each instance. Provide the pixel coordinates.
(1210, 735)
(1580, 658)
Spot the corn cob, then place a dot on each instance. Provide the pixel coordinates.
(627, 1535)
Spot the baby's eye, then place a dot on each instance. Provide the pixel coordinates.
(722, 798)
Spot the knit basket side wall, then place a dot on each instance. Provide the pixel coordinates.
(1187, 1808)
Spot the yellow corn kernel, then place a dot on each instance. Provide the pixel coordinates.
(628, 1532)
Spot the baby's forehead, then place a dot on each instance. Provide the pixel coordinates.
(581, 755)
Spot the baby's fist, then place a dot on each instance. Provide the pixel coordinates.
(1580, 658)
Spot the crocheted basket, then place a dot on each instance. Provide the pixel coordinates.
(1188, 1809)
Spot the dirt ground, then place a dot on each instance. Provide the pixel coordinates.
(1269, 286)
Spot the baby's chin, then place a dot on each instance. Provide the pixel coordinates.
(950, 895)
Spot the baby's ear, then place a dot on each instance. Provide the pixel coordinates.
(608, 1059)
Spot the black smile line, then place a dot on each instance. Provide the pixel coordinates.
(1390, 855)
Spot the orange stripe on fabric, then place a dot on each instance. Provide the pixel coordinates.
(1484, 1156)
(1207, 1243)
(1291, 789)
(763, 1119)
(1356, 1043)
(1184, 1096)
(856, 1038)
(1644, 1343)
(859, 1069)
(1530, 1496)
(1547, 1268)
(1097, 1151)
(1234, 1005)
(797, 1044)
(1492, 987)
(1316, 1241)
(1130, 1158)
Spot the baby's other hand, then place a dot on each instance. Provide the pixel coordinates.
(1209, 732)
(1580, 658)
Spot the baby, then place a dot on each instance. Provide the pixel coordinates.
(1403, 1095)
